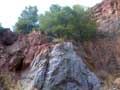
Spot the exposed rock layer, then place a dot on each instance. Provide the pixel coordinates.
(104, 54)
(107, 15)
(49, 67)
(60, 68)
(19, 55)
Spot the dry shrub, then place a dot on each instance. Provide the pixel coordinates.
(7, 83)
(107, 80)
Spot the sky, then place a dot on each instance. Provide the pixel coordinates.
(10, 10)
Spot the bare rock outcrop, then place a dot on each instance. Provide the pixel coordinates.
(103, 56)
(59, 68)
(107, 15)
(19, 55)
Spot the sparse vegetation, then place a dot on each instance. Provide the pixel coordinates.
(1, 28)
(28, 20)
(71, 23)
(7, 83)
(61, 22)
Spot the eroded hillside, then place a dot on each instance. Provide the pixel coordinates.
(42, 64)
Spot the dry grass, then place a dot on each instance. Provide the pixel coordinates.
(109, 80)
(7, 83)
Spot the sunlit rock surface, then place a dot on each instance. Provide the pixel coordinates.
(107, 15)
(59, 68)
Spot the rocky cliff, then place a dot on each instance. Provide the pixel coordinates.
(107, 15)
(106, 47)
(43, 65)
(18, 55)
(59, 68)
(40, 65)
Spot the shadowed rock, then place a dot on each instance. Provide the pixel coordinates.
(7, 36)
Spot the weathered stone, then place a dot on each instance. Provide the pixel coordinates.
(16, 62)
(8, 37)
(60, 68)
(29, 45)
(107, 15)
(103, 54)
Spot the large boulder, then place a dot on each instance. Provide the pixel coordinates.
(7, 36)
(59, 68)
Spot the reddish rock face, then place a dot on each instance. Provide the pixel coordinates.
(105, 51)
(107, 15)
(8, 37)
(18, 56)
(104, 54)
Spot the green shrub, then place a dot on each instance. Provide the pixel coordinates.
(71, 23)
(27, 20)
(1, 29)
